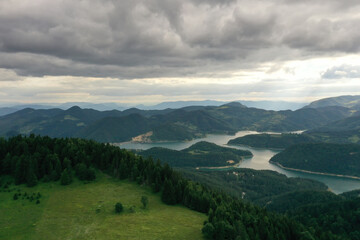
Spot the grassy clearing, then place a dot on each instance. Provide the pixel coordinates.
(86, 211)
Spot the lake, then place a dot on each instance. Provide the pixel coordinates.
(259, 161)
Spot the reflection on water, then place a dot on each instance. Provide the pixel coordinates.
(260, 160)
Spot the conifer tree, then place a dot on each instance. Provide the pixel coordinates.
(31, 179)
(65, 178)
(168, 195)
(144, 201)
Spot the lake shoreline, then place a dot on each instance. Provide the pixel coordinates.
(318, 173)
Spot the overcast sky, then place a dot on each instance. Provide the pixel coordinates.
(148, 51)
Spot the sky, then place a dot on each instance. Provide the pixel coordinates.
(150, 51)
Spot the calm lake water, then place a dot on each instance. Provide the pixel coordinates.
(260, 160)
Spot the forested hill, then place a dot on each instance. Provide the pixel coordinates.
(342, 131)
(341, 159)
(201, 154)
(31, 160)
(348, 101)
(271, 140)
(160, 125)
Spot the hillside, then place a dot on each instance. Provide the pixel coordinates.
(283, 140)
(257, 186)
(116, 129)
(347, 124)
(340, 159)
(86, 211)
(339, 217)
(343, 101)
(43, 159)
(295, 199)
(201, 154)
(343, 131)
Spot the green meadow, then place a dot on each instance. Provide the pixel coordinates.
(86, 211)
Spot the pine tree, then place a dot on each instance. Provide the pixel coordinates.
(31, 179)
(208, 230)
(144, 201)
(168, 195)
(67, 164)
(65, 178)
(57, 169)
(6, 164)
(20, 170)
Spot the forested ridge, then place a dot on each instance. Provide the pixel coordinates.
(271, 140)
(256, 186)
(201, 154)
(34, 159)
(341, 159)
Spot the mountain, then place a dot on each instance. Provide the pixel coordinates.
(267, 105)
(96, 106)
(348, 101)
(274, 105)
(347, 124)
(338, 159)
(14, 108)
(301, 119)
(343, 131)
(7, 110)
(25, 121)
(181, 104)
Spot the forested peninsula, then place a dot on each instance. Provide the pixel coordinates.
(336, 159)
(278, 141)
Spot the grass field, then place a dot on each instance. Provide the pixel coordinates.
(86, 211)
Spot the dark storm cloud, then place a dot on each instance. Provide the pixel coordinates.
(158, 38)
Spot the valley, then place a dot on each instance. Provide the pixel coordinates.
(179, 120)
(270, 163)
(259, 161)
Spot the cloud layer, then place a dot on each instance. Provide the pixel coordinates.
(182, 39)
(157, 38)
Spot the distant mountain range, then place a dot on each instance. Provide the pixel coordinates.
(160, 125)
(267, 105)
(352, 102)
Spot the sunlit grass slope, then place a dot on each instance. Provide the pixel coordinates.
(86, 211)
